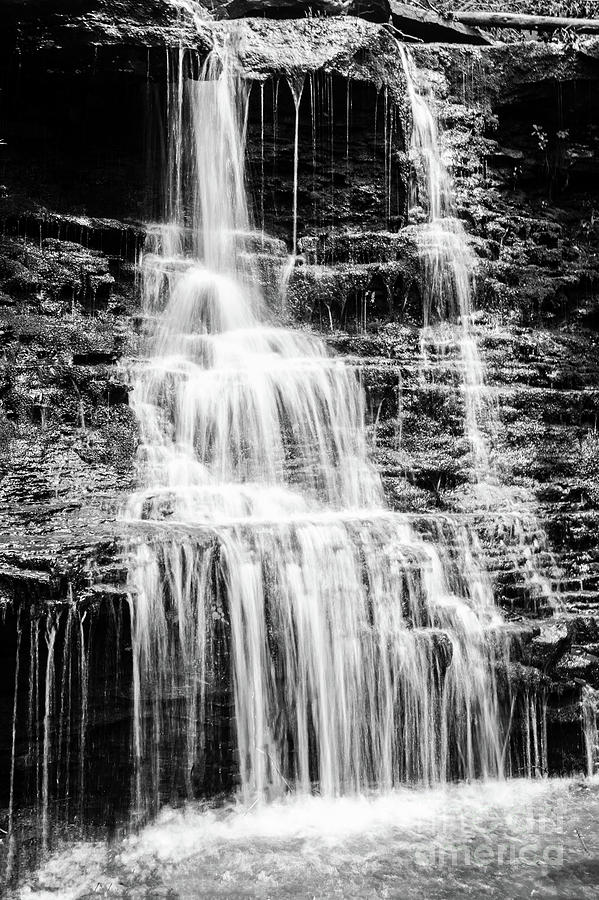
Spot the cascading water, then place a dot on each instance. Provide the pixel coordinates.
(448, 268)
(268, 580)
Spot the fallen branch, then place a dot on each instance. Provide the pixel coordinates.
(524, 22)
(428, 25)
(410, 38)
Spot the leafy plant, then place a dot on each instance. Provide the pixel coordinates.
(541, 136)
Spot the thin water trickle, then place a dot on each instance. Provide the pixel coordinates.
(10, 837)
(48, 715)
(262, 184)
(52, 660)
(590, 709)
(314, 127)
(265, 567)
(296, 86)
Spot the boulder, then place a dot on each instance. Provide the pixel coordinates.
(544, 650)
(579, 665)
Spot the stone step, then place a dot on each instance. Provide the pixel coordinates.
(581, 583)
(520, 598)
(582, 599)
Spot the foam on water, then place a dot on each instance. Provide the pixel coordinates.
(452, 841)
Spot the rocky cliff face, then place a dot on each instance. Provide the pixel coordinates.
(83, 96)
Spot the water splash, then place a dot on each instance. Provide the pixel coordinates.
(267, 576)
(450, 841)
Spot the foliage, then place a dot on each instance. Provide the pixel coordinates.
(541, 136)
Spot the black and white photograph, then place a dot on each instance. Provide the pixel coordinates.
(299, 449)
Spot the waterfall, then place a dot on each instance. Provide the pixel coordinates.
(448, 267)
(277, 605)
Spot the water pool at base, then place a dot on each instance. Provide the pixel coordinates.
(511, 839)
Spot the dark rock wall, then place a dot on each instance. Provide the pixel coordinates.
(351, 152)
(83, 103)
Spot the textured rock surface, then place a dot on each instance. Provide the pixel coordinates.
(67, 432)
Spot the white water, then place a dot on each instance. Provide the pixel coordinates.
(266, 569)
(513, 839)
(448, 268)
(590, 705)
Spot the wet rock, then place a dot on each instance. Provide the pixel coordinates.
(585, 629)
(68, 24)
(522, 678)
(94, 358)
(442, 649)
(581, 666)
(508, 72)
(549, 646)
(331, 247)
(348, 46)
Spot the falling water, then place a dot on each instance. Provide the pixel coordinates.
(448, 265)
(53, 741)
(11, 803)
(590, 731)
(448, 268)
(262, 184)
(267, 576)
(313, 128)
(48, 713)
(296, 86)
